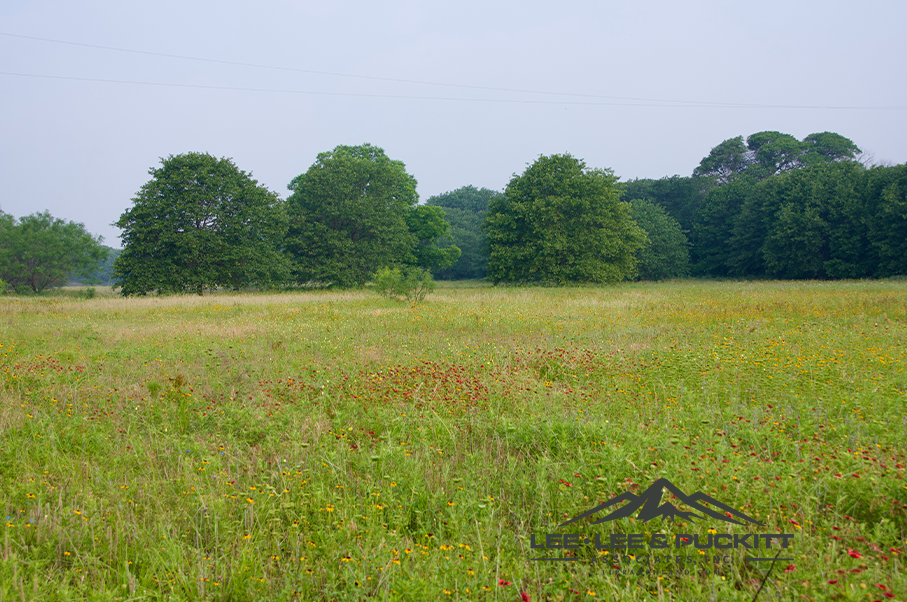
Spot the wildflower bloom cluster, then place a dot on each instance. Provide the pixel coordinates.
(332, 446)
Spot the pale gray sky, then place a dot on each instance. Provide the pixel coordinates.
(646, 88)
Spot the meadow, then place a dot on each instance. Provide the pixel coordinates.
(342, 446)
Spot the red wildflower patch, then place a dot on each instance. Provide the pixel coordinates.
(435, 382)
(853, 553)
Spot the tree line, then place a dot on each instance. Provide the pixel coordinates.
(771, 206)
(765, 206)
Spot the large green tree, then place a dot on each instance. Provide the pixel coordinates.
(201, 223)
(41, 251)
(561, 222)
(348, 216)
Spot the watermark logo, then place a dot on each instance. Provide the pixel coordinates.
(713, 548)
(649, 505)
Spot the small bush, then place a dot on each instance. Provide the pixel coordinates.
(2, 286)
(410, 284)
(386, 281)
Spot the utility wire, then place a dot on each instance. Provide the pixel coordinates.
(274, 90)
(451, 99)
(635, 101)
(334, 74)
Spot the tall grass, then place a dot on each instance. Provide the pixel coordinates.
(342, 446)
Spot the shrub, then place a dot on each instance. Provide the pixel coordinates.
(410, 284)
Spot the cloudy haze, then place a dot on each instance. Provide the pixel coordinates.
(461, 92)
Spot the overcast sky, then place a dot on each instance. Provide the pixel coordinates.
(465, 92)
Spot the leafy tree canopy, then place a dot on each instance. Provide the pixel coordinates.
(725, 162)
(348, 216)
(771, 153)
(830, 220)
(815, 224)
(828, 147)
(714, 225)
(774, 152)
(887, 210)
(561, 222)
(465, 208)
(467, 198)
(665, 253)
(41, 251)
(427, 226)
(680, 197)
(466, 233)
(201, 222)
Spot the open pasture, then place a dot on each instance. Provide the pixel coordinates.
(341, 446)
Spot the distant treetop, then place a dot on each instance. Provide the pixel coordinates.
(467, 198)
(771, 153)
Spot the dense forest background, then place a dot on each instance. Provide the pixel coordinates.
(764, 206)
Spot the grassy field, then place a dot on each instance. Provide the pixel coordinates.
(341, 446)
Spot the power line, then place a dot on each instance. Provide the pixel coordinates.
(280, 91)
(634, 100)
(441, 98)
(369, 77)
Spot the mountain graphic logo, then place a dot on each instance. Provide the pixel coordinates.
(649, 505)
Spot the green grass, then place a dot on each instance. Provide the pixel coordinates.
(341, 446)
